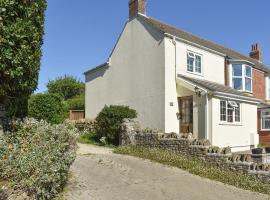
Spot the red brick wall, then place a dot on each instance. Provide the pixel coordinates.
(258, 84)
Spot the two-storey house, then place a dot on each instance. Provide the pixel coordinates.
(178, 82)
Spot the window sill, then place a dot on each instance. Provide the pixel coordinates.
(265, 130)
(195, 73)
(230, 124)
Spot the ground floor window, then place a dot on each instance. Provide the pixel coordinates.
(266, 120)
(230, 111)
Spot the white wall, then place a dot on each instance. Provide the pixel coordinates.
(171, 101)
(135, 77)
(213, 70)
(212, 64)
(235, 135)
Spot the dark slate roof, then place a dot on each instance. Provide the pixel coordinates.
(106, 64)
(165, 28)
(215, 87)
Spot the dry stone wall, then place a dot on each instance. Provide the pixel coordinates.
(131, 134)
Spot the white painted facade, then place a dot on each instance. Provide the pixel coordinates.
(142, 74)
(135, 76)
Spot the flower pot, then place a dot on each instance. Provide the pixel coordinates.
(257, 151)
(267, 149)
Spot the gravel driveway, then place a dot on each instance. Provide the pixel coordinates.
(98, 174)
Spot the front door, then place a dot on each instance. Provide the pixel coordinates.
(186, 114)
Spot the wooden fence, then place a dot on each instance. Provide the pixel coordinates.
(76, 114)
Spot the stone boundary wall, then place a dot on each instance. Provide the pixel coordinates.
(131, 134)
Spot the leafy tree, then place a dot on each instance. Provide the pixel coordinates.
(66, 86)
(109, 120)
(49, 107)
(76, 103)
(21, 37)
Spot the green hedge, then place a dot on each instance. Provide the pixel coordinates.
(36, 157)
(49, 107)
(76, 103)
(109, 120)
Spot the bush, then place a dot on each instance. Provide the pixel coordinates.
(66, 86)
(109, 120)
(36, 158)
(49, 107)
(76, 103)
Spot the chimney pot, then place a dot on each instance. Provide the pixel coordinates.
(256, 52)
(136, 7)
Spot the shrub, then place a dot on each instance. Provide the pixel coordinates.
(66, 86)
(76, 103)
(36, 158)
(49, 107)
(109, 120)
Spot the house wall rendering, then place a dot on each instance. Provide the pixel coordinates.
(240, 136)
(135, 76)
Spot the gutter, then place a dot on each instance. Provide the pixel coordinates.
(108, 63)
(236, 97)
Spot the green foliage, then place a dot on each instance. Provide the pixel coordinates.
(49, 107)
(93, 138)
(21, 37)
(36, 158)
(66, 86)
(89, 138)
(109, 120)
(76, 103)
(197, 167)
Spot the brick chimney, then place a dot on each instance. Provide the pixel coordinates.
(135, 7)
(256, 52)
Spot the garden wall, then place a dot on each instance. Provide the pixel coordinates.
(131, 134)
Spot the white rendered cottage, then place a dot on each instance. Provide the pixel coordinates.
(178, 82)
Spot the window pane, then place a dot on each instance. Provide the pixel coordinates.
(229, 113)
(248, 71)
(237, 113)
(190, 62)
(237, 83)
(248, 84)
(237, 70)
(222, 110)
(268, 87)
(198, 64)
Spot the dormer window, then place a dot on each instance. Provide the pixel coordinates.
(241, 77)
(194, 63)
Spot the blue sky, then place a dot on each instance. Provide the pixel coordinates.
(80, 34)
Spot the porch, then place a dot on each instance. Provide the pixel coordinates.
(224, 116)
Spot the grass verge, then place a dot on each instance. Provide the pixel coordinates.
(92, 138)
(197, 167)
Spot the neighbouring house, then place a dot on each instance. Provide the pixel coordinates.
(179, 82)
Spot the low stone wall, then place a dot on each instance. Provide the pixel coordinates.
(131, 134)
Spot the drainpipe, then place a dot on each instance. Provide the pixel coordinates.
(206, 117)
(175, 54)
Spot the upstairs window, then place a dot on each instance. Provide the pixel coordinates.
(194, 63)
(241, 77)
(267, 87)
(230, 111)
(265, 120)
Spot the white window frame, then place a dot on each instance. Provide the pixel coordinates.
(267, 88)
(243, 77)
(234, 105)
(193, 55)
(264, 129)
